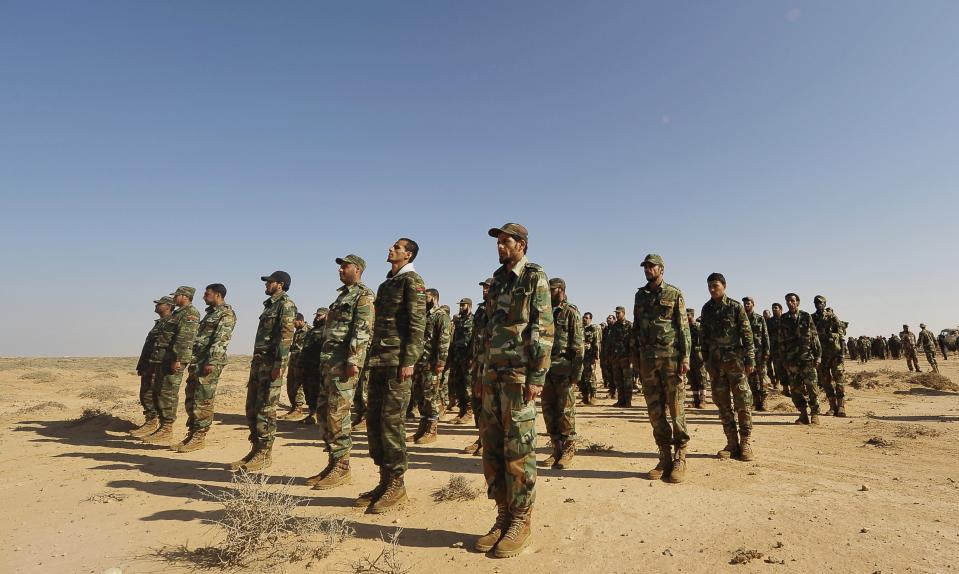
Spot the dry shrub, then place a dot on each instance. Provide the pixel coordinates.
(880, 442)
(916, 431)
(89, 414)
(46, 405)
(934, 381)
(598, 447)
(387, 562)
(40, 376)
(783, 407)
(894, 375)
(458, 488)
(744, 556)
(104, 393)
(106, 497)
(864, 380)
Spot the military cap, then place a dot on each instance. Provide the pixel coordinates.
(653, 259)
(466, 300)
(749, 299)
(557, 282)
(165, 300)
(514, 229)
(184, 290)
(693, 311)
(488, 282)
(922, 325)
(278, 276)
(354, 259)
(819, 298)
(299, 316)
(621, 308)
(322, 311)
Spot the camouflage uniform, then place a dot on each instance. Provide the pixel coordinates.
(294, 380)
(618, 343)
(145, 369)
(908, 341)
(776, 353)
(426, 383)
(459, 361)
(592, 350)
(895, 347)
(566, 368)
(729, 347)
(478, 362)
(308, 363)
(757, 380)
(927, 342)
(209, 348)
(865, 349)
(271, 350)
(179, 334)
(604, 354)
(801, 352)
(697, 363)
(831, 370)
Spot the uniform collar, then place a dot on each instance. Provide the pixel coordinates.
(404, 269)
(274, 298)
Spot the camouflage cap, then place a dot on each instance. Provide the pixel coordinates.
(819, 298)
(652, 259)
(693, 311)
(922, 325)
(322, 311)
(621, 308)
(184, 290)
(354, 259)
(488, 282)
(557, 282)
(165, 300)
(466, 300)
(748, 299)
(514, 229)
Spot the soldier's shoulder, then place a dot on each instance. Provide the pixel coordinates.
(363, 289)
(672, 289)
(287, 303)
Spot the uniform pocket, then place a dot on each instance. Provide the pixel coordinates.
(390, 342)
(522, 433)
(519, 306)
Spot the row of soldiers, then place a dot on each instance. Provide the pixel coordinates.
(905, 344)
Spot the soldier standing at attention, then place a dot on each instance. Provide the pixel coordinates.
(209, 358)
(802, 354)
(927, 342)
(519, 341)
(908, 340)
(895, 347)
(661, 346)
(943, 346)
(182, 328)
(757, 378)
(831, 370)
(426, 376)
(566, 367)
(604, 358)
(592, 349)
(271, 358)
(294, 380)
(459, 360)
(619, 340)
(163, 307)
(309, 365)
(728, 346)
(396, 346)
(770, 370)
(347, 332)
(478, 366)
(775, 348)
(697, 365)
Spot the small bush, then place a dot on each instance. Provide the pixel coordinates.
(89, 414)
(744, 556)
(934, 381)
(458, 488)
(104, 393)
(39, 376)
(916, 431)
(598, 447)
(388, 560)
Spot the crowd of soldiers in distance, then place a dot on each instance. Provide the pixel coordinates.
(895, 346)
(369, 361)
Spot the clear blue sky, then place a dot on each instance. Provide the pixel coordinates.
(793, 146)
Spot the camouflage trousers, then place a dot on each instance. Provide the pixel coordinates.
(607, 373)
(757, 382)
(443, 389)
(166, 392)
(333, 409)
(477, 379)
(559, 408)
(697, 375)
(508, 427)
(294, 386)
(389, 395)
(426, 391)
(912, 359)
(262, 396)
(802, 386)
(832, 376)
(781, 374)
(587, 383)
(312, 387)
(931, 357)
(359, 394)
(200, 392)
(622, 379)
(460, 390)
(146, 395)
(732, 395)
(664, 388)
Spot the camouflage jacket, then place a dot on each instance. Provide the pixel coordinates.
(400, 320)
(566, 357)
(436, 339)
(831, 332)
(592, 344)
(183, 324)
(696, 343)
(213, 335)
(799, 339)
(727, 332)
(895, 344)
(274, 334)
(164, 336)
(349, 326)
(908, 340)
(296, 343)
(927, 341)
(618, 339)
(478, 340)
(772, 327)
(460, 350)
(757, 323)
(660, 327)
(308, 359)
(519, 334)
(143, 363)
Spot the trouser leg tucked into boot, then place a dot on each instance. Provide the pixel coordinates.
(664, 466)
(486, 542)
(517, 536)
(678, 474)
(393, 497)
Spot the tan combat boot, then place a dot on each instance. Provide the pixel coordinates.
(732, 446)
(814, 417)
(262, 459)
(556, 454)
(309, 420)
(840, 407)
(803, 418)
(486, 542)
(746, 448)
(678, 474)
(359, 423)
(517, 536)
(472, 447)
(566, 456)
(162, 436)
(420, 431)
(330, 463)
(337, 476)
(664, 466)
(370, 496)
(393, 497)
(195, 441)
(430, 435)
(149, 426)
(238, 464)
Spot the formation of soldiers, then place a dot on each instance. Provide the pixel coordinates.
(904, 345)
(370, 361)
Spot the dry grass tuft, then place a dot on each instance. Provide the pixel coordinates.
(934, 381)
(916, 431)
(39, 407)
(388, 560)
(598, 447)
(880, 442)
(105, 393)
(89, 414)
(864, 380)
(39, 376)
(744, 556)
(458, 488)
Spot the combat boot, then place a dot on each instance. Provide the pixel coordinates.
(517, 536)
(237, 465)
(814, 416)
(555, 455)
(262, 459)
(148, 427)
(162, 436)
(832, 405)
(786, 392)
(486, 542)
(420, 431)
(359, 423)
(394, 496)
(472, 447)
(566, 456)
(310, 419)
(429, 435)
(678, 473)
(320, 475)
(337, 476)
(697, 400)
(746, 449)
(732, 446)
(370, 496)
(840, 406)
(761, 404)
(664, 466)
(803, 417)
(294, 412)
(196, 441)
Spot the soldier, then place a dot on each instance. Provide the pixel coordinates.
(359, 396)
(697, 365)
(294, 383)
(927, 342)
(163, 307)
(802, 354)
(618, 344)
(908, 341)
(660, 347)
(853, 346)
(943, 346)
(346, 334)
(592, 350)
(775, 348)
(604, 358)
(883, 347)
(519, 342)
(895, 346)
(566, 368)
(770, 371)
(865, 349)
(209, 358)
(271, 358)
(396, 346)
(478, 366)
(831, 369)
(308, 365)
(728, 346)
(459, 360)
(178, 353)
(757, 378)
(426, 377)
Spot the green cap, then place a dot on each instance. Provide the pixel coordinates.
(621, 308)
(184, 290)
(354, 259)
(165, 300)
(557, 282)
(514, 229)
(467, 301)
(322, 311)
(488, 282)
(653, 259)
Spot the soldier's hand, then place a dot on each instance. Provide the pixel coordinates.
(438, 370)
(351, 371)
(175, 367)
(684, 367)
(748, 369)
(207, 370)
(406, 372)
(275, 374)
(533, 391)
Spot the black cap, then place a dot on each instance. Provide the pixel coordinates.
(278, 276)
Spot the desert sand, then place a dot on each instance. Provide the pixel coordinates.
(875, 492)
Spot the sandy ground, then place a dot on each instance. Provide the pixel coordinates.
(85, 497)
